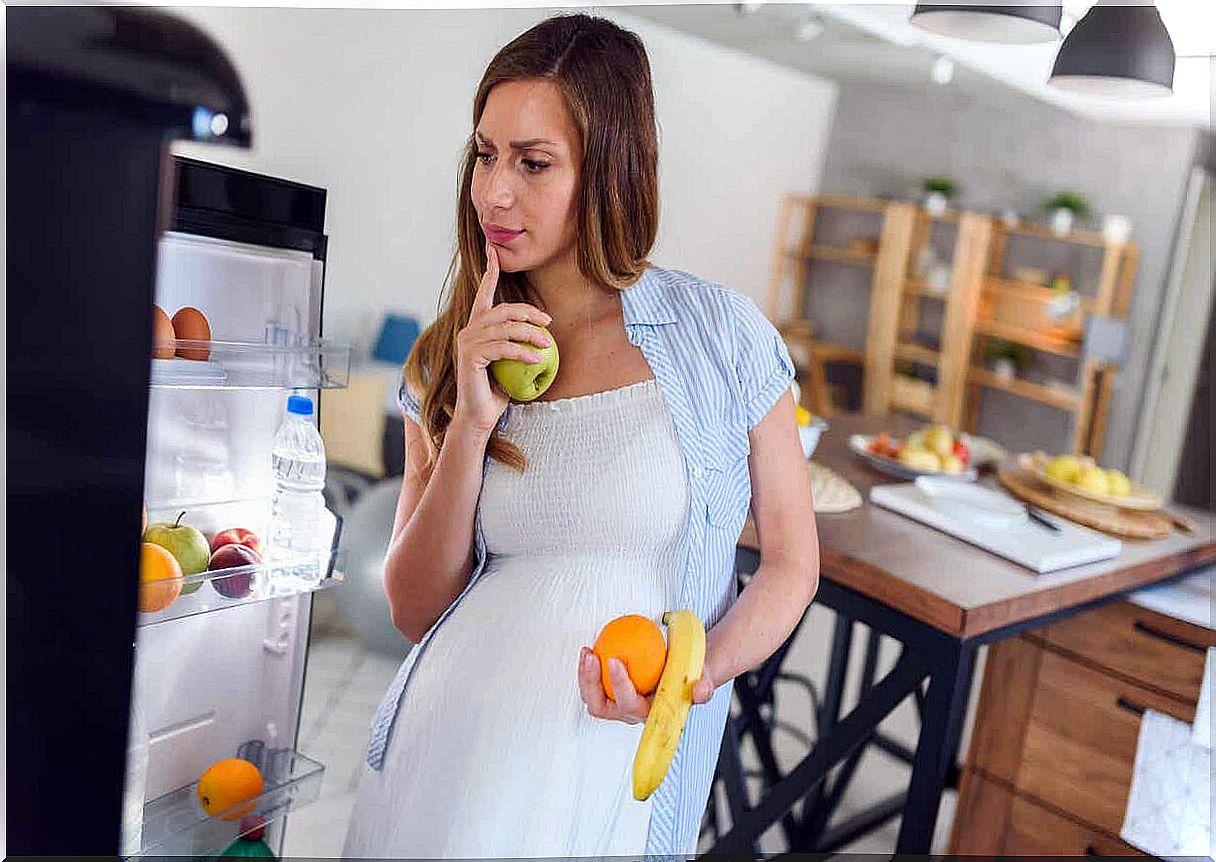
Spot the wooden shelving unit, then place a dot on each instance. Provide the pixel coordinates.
(894, 316)
(979, 303)
(799, 214)
(1026, 389)
(1016, 312)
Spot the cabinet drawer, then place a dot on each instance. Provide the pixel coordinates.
(993, 820)
(1035, 831)
(1142, 645)
(1080, 739)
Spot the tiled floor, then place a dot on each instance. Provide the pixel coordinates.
(345, 683)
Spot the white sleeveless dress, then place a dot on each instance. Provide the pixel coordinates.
(493, 753)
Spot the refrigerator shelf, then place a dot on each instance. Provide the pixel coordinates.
(243, 365)
(244, 585)
(175, 824)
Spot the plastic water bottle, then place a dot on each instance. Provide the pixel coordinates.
(302, 526)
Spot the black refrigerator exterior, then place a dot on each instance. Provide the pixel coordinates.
(95, 96)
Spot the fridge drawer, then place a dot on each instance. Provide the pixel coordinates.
(1142, 645)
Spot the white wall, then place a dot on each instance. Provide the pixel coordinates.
(375, 105)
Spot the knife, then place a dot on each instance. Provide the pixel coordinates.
(1040, 520)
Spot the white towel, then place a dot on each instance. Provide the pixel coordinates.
(1201, 730)
(1169, 808)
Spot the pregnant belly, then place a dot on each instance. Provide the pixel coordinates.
(520, 628)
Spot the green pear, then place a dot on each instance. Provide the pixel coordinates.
(187, 545)
(526, 381)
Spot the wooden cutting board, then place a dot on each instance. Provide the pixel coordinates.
(1124, 523)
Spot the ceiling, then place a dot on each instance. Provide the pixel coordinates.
(874, 42)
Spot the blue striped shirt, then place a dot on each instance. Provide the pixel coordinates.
(720, 365)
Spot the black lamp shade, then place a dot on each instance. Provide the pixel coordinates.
(982, 22)
(1119, 51)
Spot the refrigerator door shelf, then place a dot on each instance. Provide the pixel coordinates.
(245, 365)
(176, 824)
(276, 578)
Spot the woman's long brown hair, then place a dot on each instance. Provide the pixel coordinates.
(603, 74)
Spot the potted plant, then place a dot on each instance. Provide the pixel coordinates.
(1065, 207)
(1005, 357)
(938, 191)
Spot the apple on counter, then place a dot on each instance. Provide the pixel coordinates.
(187, 545)
(527, 381)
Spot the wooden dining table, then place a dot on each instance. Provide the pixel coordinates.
(941, 599)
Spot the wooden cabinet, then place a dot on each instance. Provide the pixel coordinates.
(1055, 737)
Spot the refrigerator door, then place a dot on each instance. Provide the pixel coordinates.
(94, 94)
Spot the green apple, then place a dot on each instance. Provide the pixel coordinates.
(187, 545)
(526, 381)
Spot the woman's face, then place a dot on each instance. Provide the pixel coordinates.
(526, 175)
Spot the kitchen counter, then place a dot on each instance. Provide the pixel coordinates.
(1188, 599)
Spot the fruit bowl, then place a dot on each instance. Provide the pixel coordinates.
(1139, 498)
(861, 444)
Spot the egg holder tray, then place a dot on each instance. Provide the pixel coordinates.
(244, 365)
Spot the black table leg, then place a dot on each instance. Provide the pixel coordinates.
(748, 824)
(829, 716)
(945, 706)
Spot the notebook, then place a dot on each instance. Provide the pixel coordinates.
(1021, 540)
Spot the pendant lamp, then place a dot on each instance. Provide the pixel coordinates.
(1118, 52)
(982, 22)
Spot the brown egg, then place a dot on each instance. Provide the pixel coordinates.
(162, 334)
(190, 324)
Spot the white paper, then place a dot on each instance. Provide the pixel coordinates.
(1169, 807)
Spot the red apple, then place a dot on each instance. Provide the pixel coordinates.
(232, 556)
(237, 536)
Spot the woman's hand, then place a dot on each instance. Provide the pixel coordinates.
(629, 706)
(491, 333)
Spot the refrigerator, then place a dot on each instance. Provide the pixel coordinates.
(122, 695)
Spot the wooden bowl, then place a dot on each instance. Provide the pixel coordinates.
(1140, 498)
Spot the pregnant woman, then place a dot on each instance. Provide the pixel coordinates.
(523, 528)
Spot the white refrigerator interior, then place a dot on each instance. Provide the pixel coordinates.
(213, 681)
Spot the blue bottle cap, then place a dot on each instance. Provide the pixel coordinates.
(301, 405)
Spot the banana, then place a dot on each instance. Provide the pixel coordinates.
(672, 701)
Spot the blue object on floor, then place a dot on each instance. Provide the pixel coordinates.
(398, 333)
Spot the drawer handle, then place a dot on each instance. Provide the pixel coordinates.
(1144, 628)
(1091, 850)
(1124, 703)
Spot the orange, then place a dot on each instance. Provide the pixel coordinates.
(228, 783)
(638, 642)
(160, 578)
